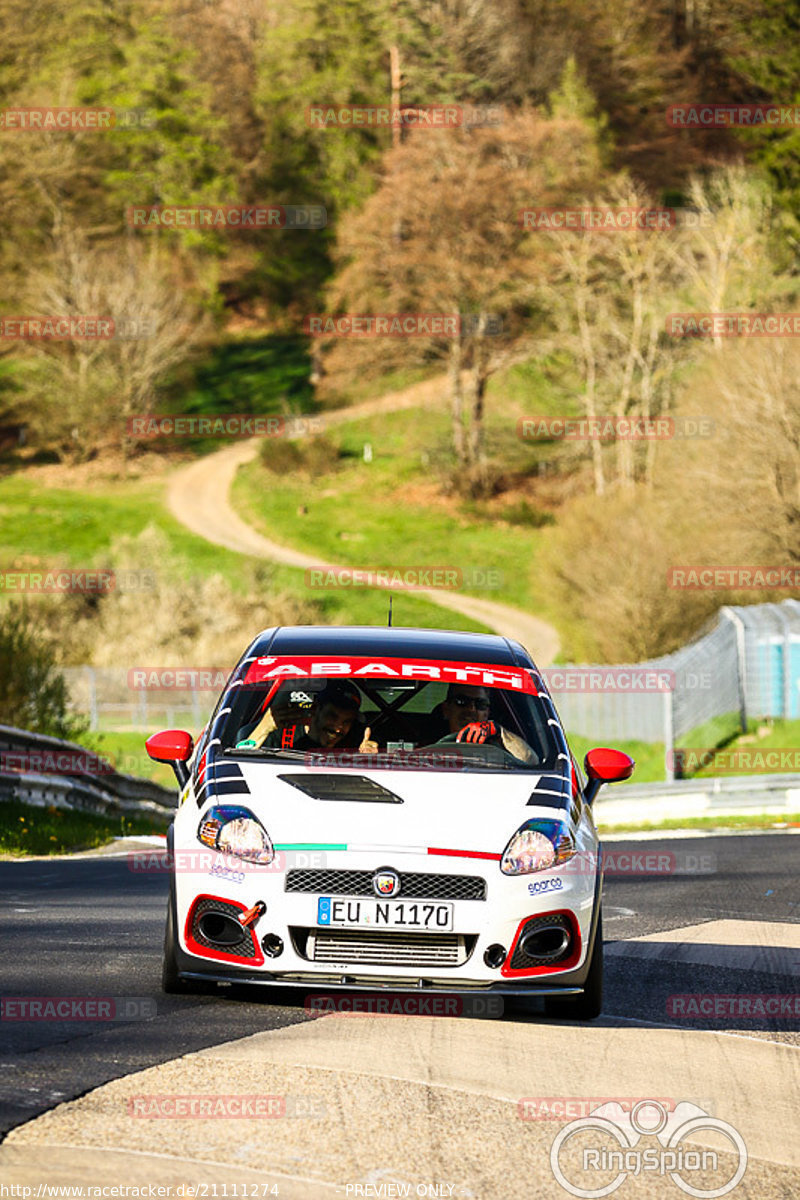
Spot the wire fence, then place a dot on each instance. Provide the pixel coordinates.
(745, 666)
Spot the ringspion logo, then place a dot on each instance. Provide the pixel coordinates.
(609, 1138)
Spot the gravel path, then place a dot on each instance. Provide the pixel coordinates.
(199, 497)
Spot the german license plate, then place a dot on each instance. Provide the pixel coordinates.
(384, 914)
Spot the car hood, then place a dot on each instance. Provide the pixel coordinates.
(473, 811)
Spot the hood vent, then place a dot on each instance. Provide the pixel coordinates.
(347, 788)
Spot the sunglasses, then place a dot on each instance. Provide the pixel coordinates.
(469, 702)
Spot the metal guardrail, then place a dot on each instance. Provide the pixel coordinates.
(709, 796)
(71, 785)
(713, 784)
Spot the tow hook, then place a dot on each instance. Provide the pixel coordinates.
(252, 915)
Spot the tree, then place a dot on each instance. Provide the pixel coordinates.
(726, 257)
(746, 484)
(462, 251)
(91, 388)
(33, 695)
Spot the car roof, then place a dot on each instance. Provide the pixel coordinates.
(378, 641)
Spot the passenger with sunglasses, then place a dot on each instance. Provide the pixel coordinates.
(466, 710)
(465, 704)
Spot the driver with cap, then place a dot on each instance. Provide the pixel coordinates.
(329, 721)
(291, 706)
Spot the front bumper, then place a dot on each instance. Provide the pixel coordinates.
(497, 920)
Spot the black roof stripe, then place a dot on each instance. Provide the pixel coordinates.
(397, 642)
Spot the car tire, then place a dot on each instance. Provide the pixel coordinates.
(171, 981)
(589, 1004)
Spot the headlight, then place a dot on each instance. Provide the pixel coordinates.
(536, 846)
(236, 831)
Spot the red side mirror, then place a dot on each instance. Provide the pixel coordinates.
(608, 766)
(171, 746)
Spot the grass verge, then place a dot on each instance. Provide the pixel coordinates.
(739, 821)
(27, 830)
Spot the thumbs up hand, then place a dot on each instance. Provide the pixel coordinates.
(367, 745)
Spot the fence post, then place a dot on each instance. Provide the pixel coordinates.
(93, 721)
(669, 738)
(787, 664)
(741, 661)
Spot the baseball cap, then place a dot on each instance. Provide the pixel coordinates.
(342, 694)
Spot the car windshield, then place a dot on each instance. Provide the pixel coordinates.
(389, 713)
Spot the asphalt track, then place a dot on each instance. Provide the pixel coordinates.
(380, 1103)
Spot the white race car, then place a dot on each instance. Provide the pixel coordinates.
(387, 809)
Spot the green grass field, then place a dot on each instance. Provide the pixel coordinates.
(26, 830)
(47, 526)
(386, 514)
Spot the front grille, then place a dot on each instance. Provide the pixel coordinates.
(244, 949)
(413, 885)
(388, 948)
